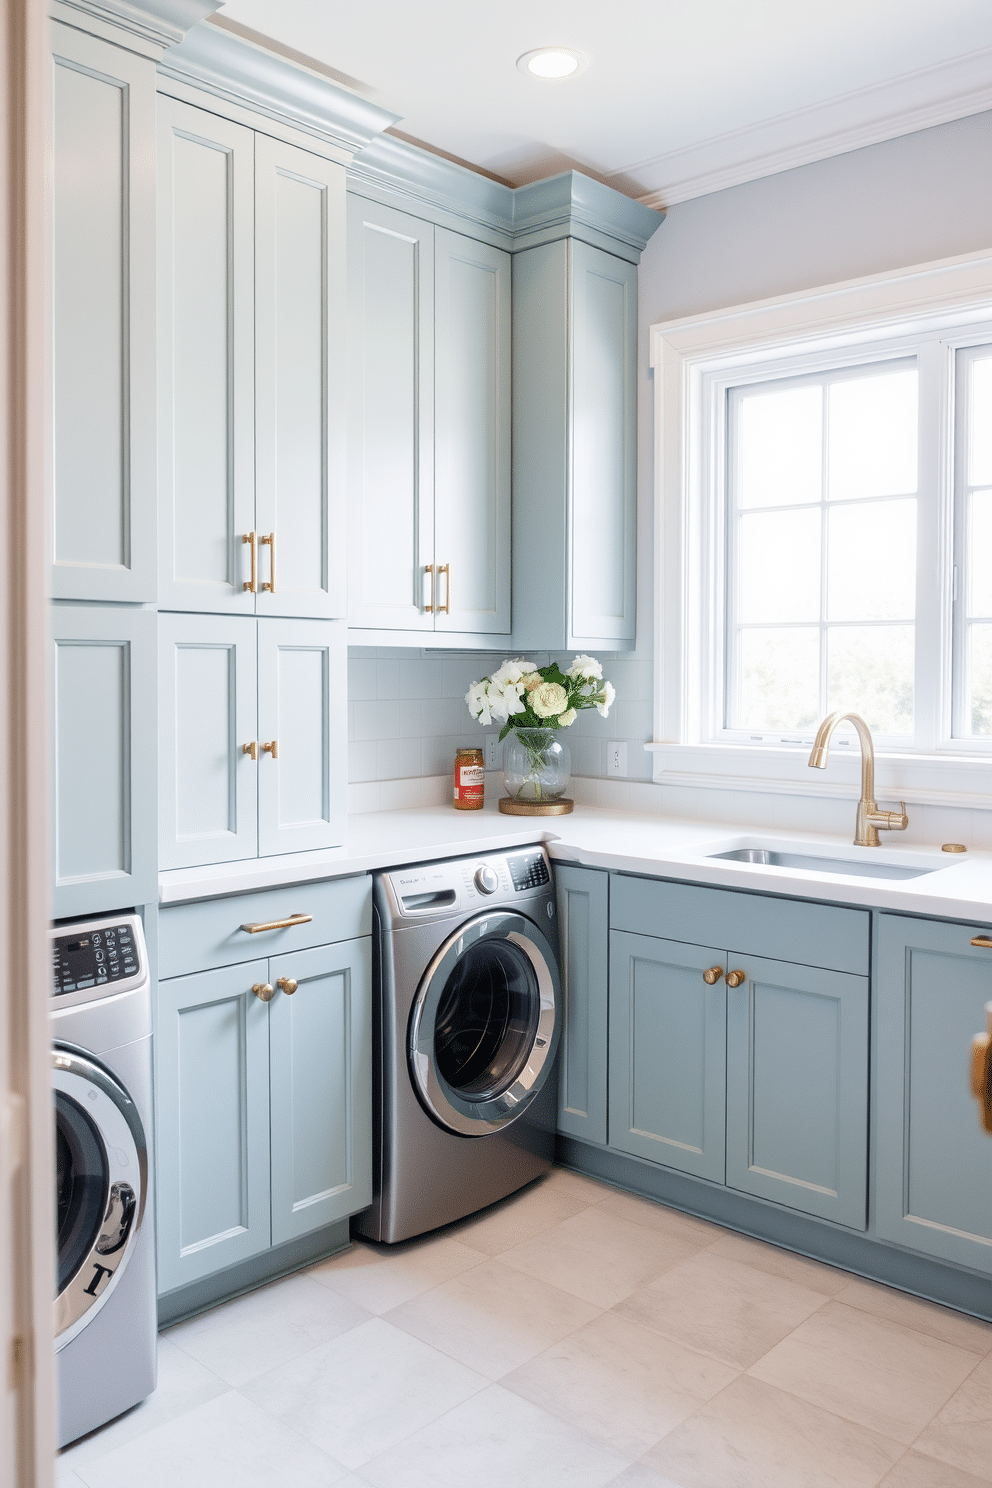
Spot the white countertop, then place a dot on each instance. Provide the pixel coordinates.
(959, 887)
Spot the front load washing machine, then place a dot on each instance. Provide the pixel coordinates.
(105, 1312)
(468, 1015)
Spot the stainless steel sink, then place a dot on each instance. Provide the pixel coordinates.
(766, 857)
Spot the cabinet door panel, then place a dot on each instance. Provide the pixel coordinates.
(321, 1082)
(934, 1166)
(299, 382)
(208, 786)
(667, 1054)
(302, 700)
(797, 1088)
(103, 320)
(583, 920)
(213, 1122)
(472, 434)
(206, 363)
(390, 418)
(104, 758)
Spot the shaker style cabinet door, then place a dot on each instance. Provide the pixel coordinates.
(583, 927)
(320, 1041)
(104, 748)
(103, 320)
(390, 418)
(299, 381)
(208, 784)
(472, 435)
(206, 360)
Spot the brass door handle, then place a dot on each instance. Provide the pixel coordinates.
(251, 749)
(252, 584)
(981, 1071)
(713, 975)
(445, 568)
(272, 748)
(263, 991)
(270, 543)
(429, 569)
(984, 942)
(286, 924)
(735, 978)
(288, 985)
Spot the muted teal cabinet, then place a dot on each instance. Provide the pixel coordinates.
(933, 1188)
(583, 928)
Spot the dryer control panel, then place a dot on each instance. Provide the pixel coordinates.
(100, 954)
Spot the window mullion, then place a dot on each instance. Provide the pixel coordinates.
(934, 547)
(824, 477)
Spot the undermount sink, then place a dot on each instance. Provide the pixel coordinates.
(766, 857)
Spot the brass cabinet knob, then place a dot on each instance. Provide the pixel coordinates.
(288, 985)
(251, 749)
(735, 978)
(263, 991)
(984, 942)
(712, 975)
(981, 1071)
(272, 749)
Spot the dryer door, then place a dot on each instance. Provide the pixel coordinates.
(101, 1165)
(485, 1023)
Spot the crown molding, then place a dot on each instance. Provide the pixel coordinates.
(231, 68)
(869, 116)
(576, 205)
(160, 23)
(394, 166)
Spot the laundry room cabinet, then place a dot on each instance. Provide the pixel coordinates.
(583, 928)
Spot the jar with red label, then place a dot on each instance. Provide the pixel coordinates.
(470, 780)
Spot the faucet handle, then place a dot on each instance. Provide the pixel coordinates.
(891, 821)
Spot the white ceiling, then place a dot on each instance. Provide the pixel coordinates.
(680, 97)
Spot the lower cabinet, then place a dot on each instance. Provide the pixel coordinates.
(583, 928)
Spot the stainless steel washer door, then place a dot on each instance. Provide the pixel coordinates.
(101, 1179)
(485, 1023)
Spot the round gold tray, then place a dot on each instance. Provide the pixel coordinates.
(560, 807)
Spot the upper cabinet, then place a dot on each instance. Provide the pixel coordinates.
(251, 371)
(103, 320)
(429, 429)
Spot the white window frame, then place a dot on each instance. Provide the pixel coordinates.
(937, 308)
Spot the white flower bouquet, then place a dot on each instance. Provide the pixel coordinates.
(520, 695)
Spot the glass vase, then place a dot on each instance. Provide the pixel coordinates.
(536, 766)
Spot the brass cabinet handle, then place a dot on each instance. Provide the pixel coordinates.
(735, 978)
(270, 543)
(287, 924)
(981, 1071)
(251, 749)
(263, 991)
(984, 942)
(252, 584)
(288, 985)
(272, 749)
(445, 568)
(713, 975)
(429, 569)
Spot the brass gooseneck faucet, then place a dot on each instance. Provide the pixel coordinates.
(869, 819)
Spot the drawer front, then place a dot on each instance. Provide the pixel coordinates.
(750, 924)
(196, 937)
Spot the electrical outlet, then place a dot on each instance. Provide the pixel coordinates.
(616, 757)
(492, 751)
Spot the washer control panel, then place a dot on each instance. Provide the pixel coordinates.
(457, 885)
(528, 870)
(486, 879)
(98, 954)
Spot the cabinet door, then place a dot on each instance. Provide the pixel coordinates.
(603, 434)
(667, 1053)
(933, 1190)
(320, 1041)
(104, 711)
(299, 380)
(212, 1090)
(390, 417)
(583, 927)
(797, 1088)
(206, 359)
(103, 320)
(472, 434)
(208, 785)
(302, 710)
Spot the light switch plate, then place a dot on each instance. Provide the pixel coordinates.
(616, 757)
(492, 751)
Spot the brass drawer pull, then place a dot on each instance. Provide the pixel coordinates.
(429, 569)
(252, 584)
(270, 543)
(272, 749)
(287, 924)
(735, 978)
(445, 568)
(288, 985)
(713, 975)
(984, 942)
(264, 991)
(251, 749)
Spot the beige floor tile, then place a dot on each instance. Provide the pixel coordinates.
(754, 1436)
(778, 1262)
(913, 1312)
(378, 1277)
(520, 1217)
(493, 1318)
(253, 1334)
(734, 1312)
(961, 1435)
(867, 1370)
(657, 1216)
(639, 1475)
(66, 1479)
(362, 1393)
(227, 1443)
(598, 1256)
(620, 1382)
(915, 1471)
(578, 1184)
(496, 1438)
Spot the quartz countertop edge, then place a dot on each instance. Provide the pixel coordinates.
(959, 887)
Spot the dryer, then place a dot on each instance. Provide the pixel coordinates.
(105, 1307)
(468, 1019)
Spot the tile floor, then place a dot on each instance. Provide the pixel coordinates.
(570, 1337)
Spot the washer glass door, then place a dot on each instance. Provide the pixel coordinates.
(484, 1026)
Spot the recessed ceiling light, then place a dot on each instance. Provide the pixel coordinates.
(552, 63)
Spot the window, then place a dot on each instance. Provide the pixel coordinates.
(973, 546)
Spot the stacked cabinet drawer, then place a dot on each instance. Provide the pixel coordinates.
(264, 1072)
